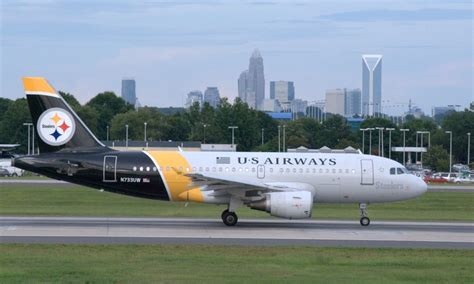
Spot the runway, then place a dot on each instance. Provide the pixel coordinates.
(247, 232)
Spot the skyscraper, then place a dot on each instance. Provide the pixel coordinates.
(253, 82)
(194, 97)
(335, 101)
(371, 84)
(242, 85)
(352, 102)
(212, 96)
(128, 91)
(283, 91)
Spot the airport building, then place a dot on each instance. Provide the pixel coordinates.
(371, 84)
(128, 91)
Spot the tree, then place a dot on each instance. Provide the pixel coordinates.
(12, 129)
(71, 100)
(107, 105)
(4, 104)
(437, 158)
(460, 123)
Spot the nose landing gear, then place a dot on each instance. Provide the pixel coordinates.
(364, 220)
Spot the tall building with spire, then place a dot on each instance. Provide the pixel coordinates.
(251, 82)
(371, 84)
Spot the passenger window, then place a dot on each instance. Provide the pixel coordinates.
(392, 171)
(281, 170)
(320, 171)
(271, 170)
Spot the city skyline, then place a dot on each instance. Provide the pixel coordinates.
(315, 44)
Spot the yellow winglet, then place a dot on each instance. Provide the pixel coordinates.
(37, 85)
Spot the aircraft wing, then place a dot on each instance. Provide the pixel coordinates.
(221, 186)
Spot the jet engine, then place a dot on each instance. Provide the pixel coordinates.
(289, 204)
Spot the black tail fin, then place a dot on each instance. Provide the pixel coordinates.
(56, 124)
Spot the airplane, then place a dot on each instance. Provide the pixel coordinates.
(284, 184)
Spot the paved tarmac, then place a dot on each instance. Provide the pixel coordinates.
(247, 232)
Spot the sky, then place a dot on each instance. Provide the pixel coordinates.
(173, 47)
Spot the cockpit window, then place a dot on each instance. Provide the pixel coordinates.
(398, 171)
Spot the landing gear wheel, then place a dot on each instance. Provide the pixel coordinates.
(364, 221)
(229, 218)
(223, 212)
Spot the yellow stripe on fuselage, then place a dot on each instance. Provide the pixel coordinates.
(173, 168)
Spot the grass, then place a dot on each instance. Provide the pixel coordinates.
(67, 200)
(230, 264)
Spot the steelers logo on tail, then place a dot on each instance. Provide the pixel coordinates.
(56, 126)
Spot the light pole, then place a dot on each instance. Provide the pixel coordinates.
(284, 138)
(204, 138)
(450, 149)
(233, 129)
(107, 133)
(404, 151)
(263, 131)
(468, 148)
(144, 135)
(390, 141)
(279, 138)
(363, 139)
(421, 142)
(29, 144)
(370, 140)
(416, 145)
(126, 136)
(380, 129)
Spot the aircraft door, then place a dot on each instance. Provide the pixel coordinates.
(110, 168)
(261, 171)
(367, 172)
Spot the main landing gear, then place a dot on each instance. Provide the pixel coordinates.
(364, 220)
(229, 218)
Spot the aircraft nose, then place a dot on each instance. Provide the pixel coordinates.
(421, 186)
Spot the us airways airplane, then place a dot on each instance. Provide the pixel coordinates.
(283, 184)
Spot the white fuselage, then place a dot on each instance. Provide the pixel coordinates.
(332, 177)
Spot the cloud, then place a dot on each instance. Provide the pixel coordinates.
(401, 15)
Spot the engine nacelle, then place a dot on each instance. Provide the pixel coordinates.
(288, 204)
